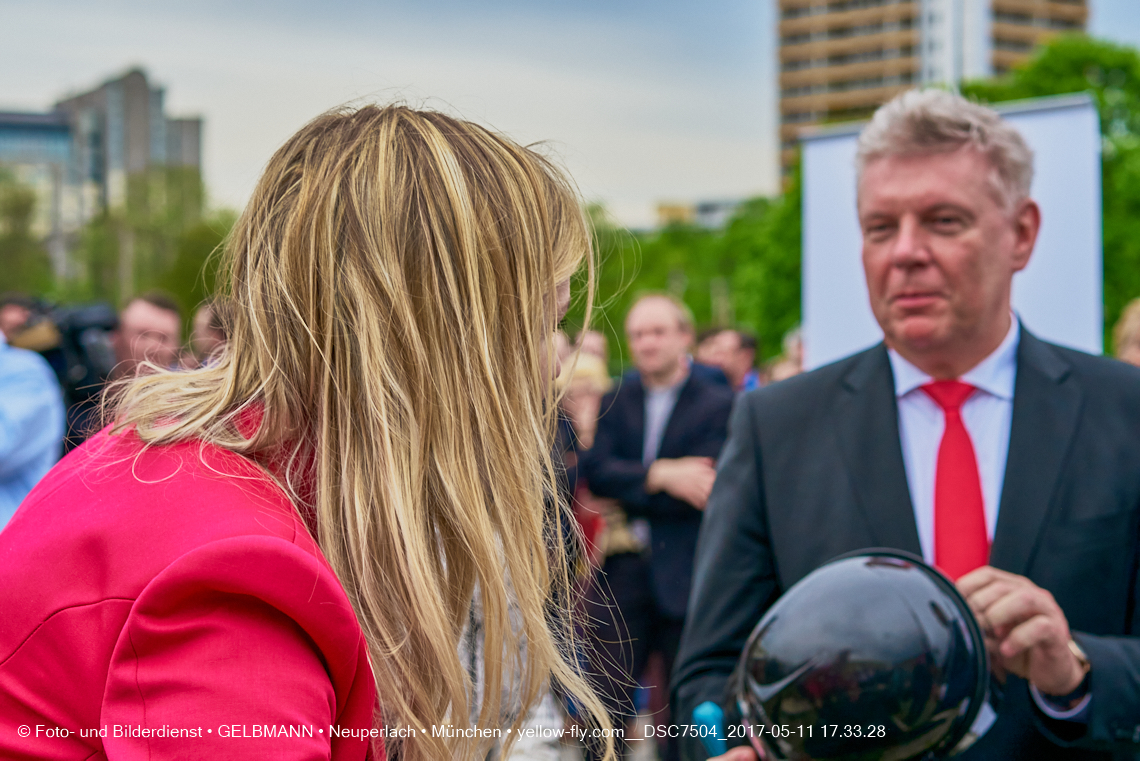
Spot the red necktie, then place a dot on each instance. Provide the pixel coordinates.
(960, 540)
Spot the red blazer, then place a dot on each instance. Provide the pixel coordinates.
(169, 603)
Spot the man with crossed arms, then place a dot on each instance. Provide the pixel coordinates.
(1010, 463)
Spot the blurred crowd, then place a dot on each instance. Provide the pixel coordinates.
(639, 446)
(56, 362)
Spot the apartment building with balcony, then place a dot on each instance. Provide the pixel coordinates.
(841, 59)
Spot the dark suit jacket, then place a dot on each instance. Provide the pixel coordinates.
(697, 427)
(814, 468)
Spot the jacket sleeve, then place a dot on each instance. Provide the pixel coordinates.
(734, 576)
(609, 474)
(249, 646)
(1114, 711)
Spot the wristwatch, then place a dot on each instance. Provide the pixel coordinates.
(1079, 654)
(1074, 698)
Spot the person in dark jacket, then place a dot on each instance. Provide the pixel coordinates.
(654, 451)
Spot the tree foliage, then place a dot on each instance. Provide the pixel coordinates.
(27, 266)
(764, 240)
(192, 275)
(1111, 73)
(745, 276)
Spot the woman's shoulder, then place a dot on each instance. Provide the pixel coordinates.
(181, 564)
(185, 491)
(114, 514)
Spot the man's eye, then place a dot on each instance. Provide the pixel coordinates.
(948, 224)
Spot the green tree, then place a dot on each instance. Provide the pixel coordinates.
(746, 276)
(1112, 74)
(192, 276)
(27, 266)
(135, 248)
(617, 259)
(764, 242)
(685, 260)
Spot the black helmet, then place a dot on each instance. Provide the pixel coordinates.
(872, 656)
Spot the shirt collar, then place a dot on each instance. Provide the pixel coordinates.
(667, 390)
(995, 374)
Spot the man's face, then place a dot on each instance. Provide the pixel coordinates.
(146, 333)
(709, 351)
(733, 358)
(657, 342)
(13, 318)
(939, 251)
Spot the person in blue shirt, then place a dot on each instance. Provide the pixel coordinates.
(31, 424)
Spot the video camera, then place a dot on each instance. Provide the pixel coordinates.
(76, 342)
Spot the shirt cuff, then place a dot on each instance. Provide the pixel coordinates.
(1054, 710)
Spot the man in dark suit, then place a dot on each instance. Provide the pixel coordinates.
(658, 436)
(1011, 463)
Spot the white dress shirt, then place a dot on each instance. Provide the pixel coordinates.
(988, 416)
(659, 404)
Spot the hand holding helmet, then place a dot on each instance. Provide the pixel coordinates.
(875, 655)
(1026, 631)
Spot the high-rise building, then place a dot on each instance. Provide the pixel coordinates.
(121, 130)
(841, 59)
(111, 149)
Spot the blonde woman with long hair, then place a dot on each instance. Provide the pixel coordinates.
(275, 555)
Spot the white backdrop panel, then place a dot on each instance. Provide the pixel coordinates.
(1058, 296)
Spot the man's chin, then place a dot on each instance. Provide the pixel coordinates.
(917, 335)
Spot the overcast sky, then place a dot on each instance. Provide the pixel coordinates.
(643, 100)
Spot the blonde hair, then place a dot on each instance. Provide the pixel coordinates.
(586, 368)
(391, 301)
(919, 122)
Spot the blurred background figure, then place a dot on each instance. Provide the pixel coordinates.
(15, 309)
(594, 342)
(1126, 334)
(150, 330)
(31, 423)
(734, 352)
(586, 381)
(208, 332)
(791, 362)
(705, 351)
(25, 325)
(705, 361)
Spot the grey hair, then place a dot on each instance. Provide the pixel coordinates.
(920, 122)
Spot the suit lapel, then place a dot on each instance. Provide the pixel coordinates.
(636, 412)
(1046, 409)
(868, 433)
